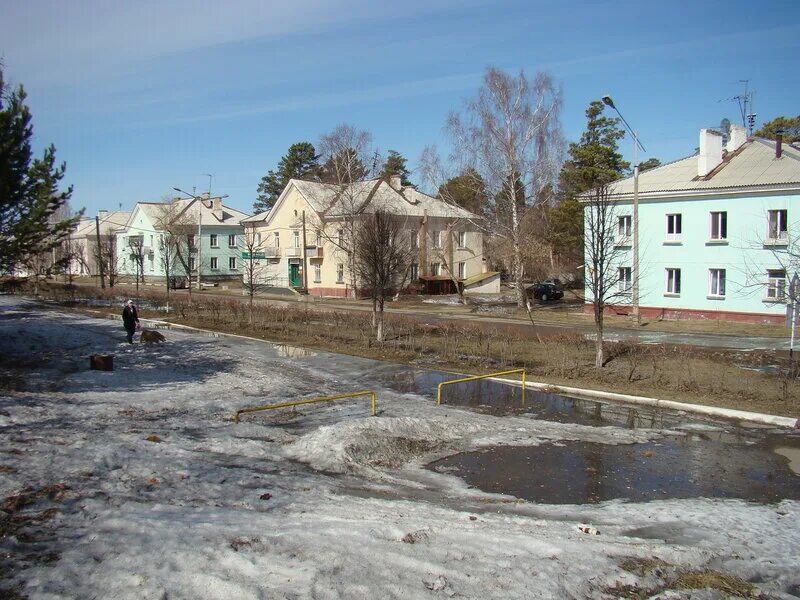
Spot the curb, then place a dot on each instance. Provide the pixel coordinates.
(712, 411)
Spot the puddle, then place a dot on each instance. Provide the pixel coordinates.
(584, 473)
(287, 351)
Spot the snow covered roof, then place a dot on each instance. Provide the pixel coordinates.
(753, 166)
(209, 216)
(109, 223)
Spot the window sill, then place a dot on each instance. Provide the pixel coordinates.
(623, 243)
(671, 295)
(776, 242)
(214, 247)
(710, 297)
(774, 301)
(673, 242)
(340, 282)
(317, 281)
(717, 242)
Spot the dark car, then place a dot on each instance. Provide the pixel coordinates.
(546, 291)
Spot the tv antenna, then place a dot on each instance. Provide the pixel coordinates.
(745, 102)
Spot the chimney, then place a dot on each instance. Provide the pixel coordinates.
(738, 138)
(396, 182)
(778, 145)
(216, 207)
(710, 155)
(102, 214)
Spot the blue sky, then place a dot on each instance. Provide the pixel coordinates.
(139, 97)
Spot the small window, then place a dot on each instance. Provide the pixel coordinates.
(232, 263)
(624, 228)
(624, 280)
(674, 228)
(341, 238)
(414, 239)
(462, 270)
(214, 263)
(673, 282)
(414, 271)
(258, 239)
(340, 273)
(190, 240)
(295, 239)
(716, 281)
(436, 237)
(778, 229)
(232, 241)
(435, 267)
(719, 225)
(462, 239)
(776, 284)
(318, 273)
(318, 239)
(191, 263)
(214, 242)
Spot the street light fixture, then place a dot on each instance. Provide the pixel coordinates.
(636, 146)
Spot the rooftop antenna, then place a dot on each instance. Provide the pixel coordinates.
(745, 102)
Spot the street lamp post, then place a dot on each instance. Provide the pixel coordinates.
(636, 146)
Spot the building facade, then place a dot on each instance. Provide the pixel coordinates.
(302, 242)
(717, 230)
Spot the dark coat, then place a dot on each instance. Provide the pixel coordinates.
(130, 317)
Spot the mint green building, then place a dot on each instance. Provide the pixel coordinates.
(717, 232)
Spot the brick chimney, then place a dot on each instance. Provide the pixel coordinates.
(778, 145)
(737, 139)
(710, 155)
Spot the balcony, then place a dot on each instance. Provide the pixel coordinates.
(294, 252)
(314, 252)
(272, 252)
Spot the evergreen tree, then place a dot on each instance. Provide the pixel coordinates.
(29, 194)
(789, 127)
(300, 162)
(396, 165)
(650, 163)
(467, 190)
(344, 168)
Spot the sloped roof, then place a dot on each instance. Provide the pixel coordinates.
(368, 196)
(208, 217)
(753, 166)
(109, 223)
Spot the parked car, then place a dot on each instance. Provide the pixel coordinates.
(546, 291)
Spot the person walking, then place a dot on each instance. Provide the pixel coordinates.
(130, 319)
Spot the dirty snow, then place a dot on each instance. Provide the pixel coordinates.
(166, 497)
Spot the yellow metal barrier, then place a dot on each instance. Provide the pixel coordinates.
(439, 389)
(311, 401)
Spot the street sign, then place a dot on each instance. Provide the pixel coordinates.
(255, 255)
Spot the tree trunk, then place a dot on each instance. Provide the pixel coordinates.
(598, 320)
(374, 312)
(379, 335)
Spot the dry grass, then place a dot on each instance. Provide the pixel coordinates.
(732, 585)
(703, 376)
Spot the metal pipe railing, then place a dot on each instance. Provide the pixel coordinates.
(310, 401)
(473, 378)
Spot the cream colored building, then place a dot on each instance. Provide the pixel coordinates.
(302, 241)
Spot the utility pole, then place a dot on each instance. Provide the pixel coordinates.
(305, 262)
(99, 253)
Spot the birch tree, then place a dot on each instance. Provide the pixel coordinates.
(510, 135)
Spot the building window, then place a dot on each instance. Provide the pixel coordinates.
(624, 280)
(719, 225)
(258, 239)
(214, 263)
(435, 269)
(462, 239)
(673, 282)
(232, 263)
(318, 240)
(295, 239)
(674, 228)
(190, 240)
(276, 239)
(214, 242)
(778, 229)
(318, 273)
(414, 271)
(341, 238)
(776, 284)
(716, 280)
(462, 270)
(151, 261)
(191, 263)
(624, 228)
(232, 241)
(436, 236)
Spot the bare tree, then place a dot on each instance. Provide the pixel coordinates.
(349, 159)
(510, 135)
(604, 258)
(253, 267)
(105, 253)
(383, 259)
(136, 248)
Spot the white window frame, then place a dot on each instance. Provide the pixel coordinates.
(461, 237)
(777, 225)
(672, 281)
(340, 273)
(258, 239)
(674, 222)
(718, 219)
(214, 263)
(317, 273)
(232, 240)
(776, 285)
(624, 228)
(192, 264)
(232, 263)
(624, 280)
(213, 240)
(716, 283)
(414, 272)
(318, 238)
(435, 268)
(276, 239)
(462, 270)
(296, 238)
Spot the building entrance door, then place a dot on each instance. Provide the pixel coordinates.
(294, 275)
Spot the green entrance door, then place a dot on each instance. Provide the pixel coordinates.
(294, 276)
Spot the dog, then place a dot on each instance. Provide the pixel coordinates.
(151, 337)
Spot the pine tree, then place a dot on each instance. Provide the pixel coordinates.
(344, 168)
(789, 127)
(396, 165)
(29, 194)
(467, 190)
(300, 162)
